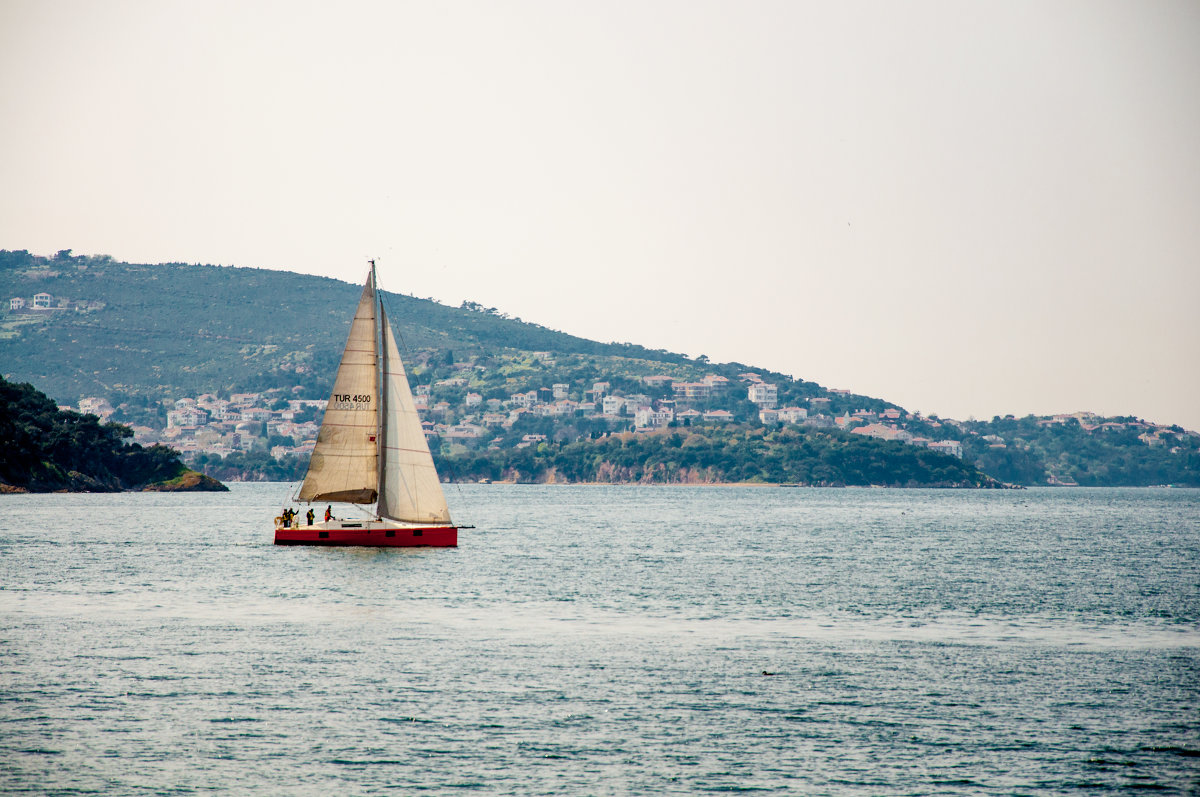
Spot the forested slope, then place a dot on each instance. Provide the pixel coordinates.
(45, 449)
(181, 329)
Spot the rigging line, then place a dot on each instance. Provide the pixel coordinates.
(387, 308)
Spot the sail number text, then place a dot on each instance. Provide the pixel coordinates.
(350, 401)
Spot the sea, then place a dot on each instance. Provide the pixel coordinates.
(607, 640)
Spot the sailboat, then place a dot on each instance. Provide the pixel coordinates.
(371, 451)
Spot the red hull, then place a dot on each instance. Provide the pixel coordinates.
(429, 537)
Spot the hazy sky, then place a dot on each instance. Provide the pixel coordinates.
(969, 208)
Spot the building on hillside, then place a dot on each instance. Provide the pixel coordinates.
(42, 301)
(187, 416)
(564, 408)
(94, 405)
(717, 384)
(463, 432)
(692, 391)
(845, 421)
(884, 432)
(793, 415)
(612, 405)
(764, 394)
(559, 391)
(650, 418)
(718, 416)
(16, 303)
(951, 447)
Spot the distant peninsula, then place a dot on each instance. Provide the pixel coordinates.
(44, 449)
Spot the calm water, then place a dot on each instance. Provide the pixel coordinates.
(608, 640)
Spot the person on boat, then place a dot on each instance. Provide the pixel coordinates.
(328, 513)
(310, 516)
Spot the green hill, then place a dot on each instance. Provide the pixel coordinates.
(147, 336)
(176, 329)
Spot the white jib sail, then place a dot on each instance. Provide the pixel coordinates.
(411, 490)
(345, 462)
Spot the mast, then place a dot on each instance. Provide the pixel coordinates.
(381, 389)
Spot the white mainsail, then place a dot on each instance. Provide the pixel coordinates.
(410, 488)
(345, 462)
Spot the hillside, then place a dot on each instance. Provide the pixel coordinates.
(44, 449)
(231, 366)
(175, 329)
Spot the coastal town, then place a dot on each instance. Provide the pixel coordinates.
(455, 415)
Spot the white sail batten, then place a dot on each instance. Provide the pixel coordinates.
(410, 488)
(345, 462)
